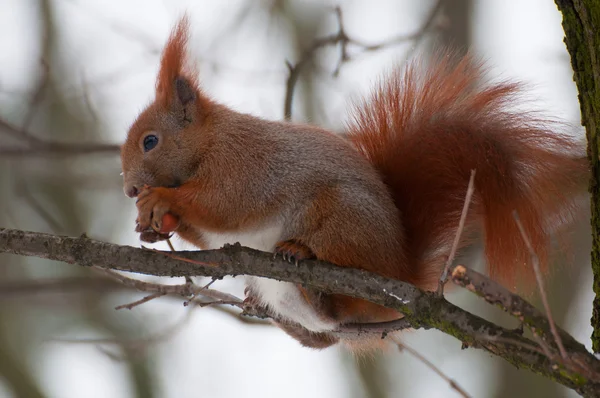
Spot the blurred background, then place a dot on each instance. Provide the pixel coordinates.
(73, 76)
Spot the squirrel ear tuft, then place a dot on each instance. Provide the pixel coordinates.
(177, 88)
(175, 78)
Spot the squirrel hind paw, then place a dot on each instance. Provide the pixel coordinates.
(293, 251)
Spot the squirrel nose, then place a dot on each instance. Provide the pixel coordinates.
(131, 191)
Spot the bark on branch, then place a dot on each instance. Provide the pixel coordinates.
(422, 309)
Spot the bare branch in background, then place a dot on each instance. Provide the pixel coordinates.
(35, 146)
(137, 344)
(341, 38)
(37, 94)
(431, 366)
(88, 101)
(38, 147)
(23, 191)
(421, 309)
(13, 288)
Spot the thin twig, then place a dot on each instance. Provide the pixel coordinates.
(535, 261)
(459, 231)
(139, 302)
(185, 290)
(203, 288)
(517, 343)
(217, 302)
(541, 343)
(170, 245)
(430, 365)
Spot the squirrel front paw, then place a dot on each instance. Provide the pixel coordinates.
(151, 236)
(154, 208)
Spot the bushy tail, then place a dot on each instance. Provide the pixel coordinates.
(428, 126)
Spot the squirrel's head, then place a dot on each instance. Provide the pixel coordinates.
(165, 144)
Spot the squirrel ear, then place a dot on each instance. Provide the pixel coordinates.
(184, 100)
(185, 91)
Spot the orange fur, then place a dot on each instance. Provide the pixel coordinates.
(427, 128)
(174, 63)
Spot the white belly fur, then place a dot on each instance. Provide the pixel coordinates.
(283, 298)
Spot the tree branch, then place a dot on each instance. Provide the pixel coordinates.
(421, 309)
(38, 147)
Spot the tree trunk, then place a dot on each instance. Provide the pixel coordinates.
(581, 22)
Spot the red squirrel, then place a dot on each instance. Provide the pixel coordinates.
(386, 197)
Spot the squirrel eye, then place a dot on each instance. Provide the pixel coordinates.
(150, 142)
